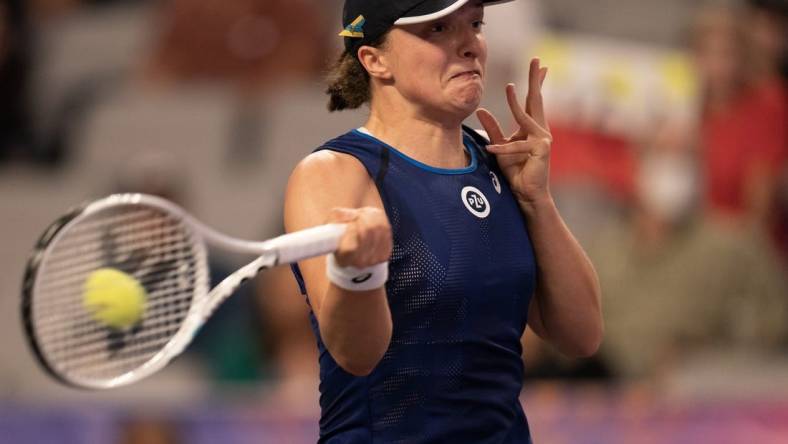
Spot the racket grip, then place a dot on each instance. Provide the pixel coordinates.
(304, 244)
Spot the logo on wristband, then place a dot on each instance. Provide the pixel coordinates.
(361, 279)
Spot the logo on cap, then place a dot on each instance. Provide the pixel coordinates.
(355, 29)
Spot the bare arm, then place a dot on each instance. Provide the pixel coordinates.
(567, 307)
(331, 187)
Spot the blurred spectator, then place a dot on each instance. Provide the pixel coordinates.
(744, 136)
(255, 43)
(604, 96)
(765, 34)
(592, 175)
(675, 283)
(767, 74)
(15, 58)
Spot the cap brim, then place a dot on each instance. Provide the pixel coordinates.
(432, 10)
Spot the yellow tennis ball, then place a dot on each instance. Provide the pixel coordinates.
(114, 298)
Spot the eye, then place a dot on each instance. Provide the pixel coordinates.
(478, 24)
(438, 27)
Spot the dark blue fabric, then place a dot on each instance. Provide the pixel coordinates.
(459, 291)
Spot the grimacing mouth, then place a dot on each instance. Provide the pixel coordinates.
(469, 71)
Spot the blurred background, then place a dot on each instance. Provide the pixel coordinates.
(670, 164)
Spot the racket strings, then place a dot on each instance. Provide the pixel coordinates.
(80, 326)
(75, 281)
(121, 247)
(155, 248)
(169, 312)
(82, 264)
(117, 345)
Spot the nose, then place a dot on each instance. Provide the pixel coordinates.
(469, 43)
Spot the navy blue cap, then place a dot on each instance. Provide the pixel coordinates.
(365, 21)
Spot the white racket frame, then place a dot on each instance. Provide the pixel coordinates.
(284, 249)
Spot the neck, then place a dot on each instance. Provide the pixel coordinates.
(415, 133)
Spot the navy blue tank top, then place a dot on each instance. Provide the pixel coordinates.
(462, 273)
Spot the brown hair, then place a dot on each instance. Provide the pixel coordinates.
(348, 81)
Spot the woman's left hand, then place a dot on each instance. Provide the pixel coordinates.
(524, 157)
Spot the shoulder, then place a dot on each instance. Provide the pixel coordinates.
(329, 163)
(323, 180)
(328, 168)
(339, 171)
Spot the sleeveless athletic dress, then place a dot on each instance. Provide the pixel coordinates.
(461, 276)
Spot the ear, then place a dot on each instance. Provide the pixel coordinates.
(375, 62)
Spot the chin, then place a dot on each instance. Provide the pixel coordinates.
(467, 98)
(468, 105)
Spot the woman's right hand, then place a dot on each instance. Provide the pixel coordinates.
(367, 240)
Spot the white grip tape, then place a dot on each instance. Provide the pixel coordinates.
(357, 279)
(307, 243)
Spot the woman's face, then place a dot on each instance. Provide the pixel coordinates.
(439, 66)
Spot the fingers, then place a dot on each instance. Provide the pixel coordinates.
(533, 69)
(491, 125)
(367, 240)
(534, 106)
(527, 123)
(537, 147)
(374, 235)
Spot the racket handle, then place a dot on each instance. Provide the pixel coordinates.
(304, 244)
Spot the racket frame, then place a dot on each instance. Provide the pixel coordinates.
(283, 249)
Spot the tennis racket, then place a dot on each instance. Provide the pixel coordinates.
(164, 249)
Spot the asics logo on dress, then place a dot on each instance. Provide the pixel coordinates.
(475, 201)
(495, 182)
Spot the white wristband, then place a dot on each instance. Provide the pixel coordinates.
(356, 279)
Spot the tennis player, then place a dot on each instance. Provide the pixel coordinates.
(453, 243)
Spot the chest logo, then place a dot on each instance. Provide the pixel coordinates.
(475, 202)
(495, 182)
